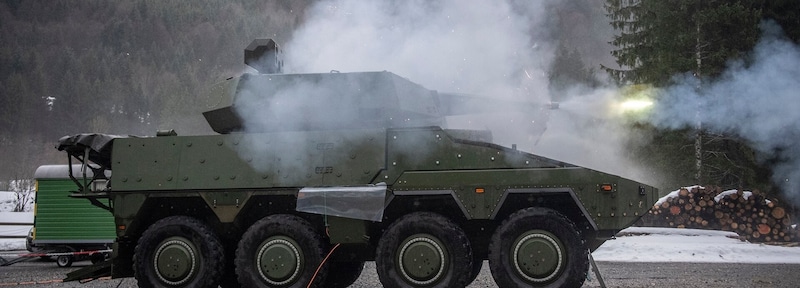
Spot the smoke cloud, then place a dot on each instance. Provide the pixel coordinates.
(757, 100)
(481, 47)
(498, 51)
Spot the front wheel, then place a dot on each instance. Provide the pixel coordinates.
(538, 247)
(64, 260)
(178, 251)
(424, 249)
(280, 251)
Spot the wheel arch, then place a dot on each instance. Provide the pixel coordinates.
(562, 200)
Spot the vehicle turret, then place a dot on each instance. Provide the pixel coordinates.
(320, 101)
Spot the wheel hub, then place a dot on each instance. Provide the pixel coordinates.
(538, 256)
(175, 261)
(279, 260)
(422, 259)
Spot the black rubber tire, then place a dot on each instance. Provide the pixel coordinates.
(64, 260)
(477, 264)
(430, 230)
(188, 237)
(229, 279)
(97, 257)
(551, 232)
(291, 234)
(343, 274)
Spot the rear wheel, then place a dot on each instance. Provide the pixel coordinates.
(178, 251)
(538, 247)
(280, 251)
(97, 257)
(424, 250)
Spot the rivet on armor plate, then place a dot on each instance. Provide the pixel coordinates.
(459, 156)
(216, 177)
(492, 158)
(233, 177)
(437, 162)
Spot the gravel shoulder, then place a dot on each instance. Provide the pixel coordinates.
(45, 273)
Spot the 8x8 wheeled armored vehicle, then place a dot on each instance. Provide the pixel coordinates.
(340, 169)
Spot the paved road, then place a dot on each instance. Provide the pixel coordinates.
(40, 273)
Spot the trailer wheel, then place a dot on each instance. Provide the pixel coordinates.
(538, 247)
(343, 274)
(64, 260)
(280, 251)
(97, 257)
(178, 251)
(424, 250)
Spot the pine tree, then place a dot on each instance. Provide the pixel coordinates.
(658, 40)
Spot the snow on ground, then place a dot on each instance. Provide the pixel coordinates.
(7, 200)
(647, 244)
(7, 203)
(14, 230)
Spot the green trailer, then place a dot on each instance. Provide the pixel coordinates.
(63, 224)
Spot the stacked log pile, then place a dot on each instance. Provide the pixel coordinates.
(748, 214)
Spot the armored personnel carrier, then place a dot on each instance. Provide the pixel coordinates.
(311, 175)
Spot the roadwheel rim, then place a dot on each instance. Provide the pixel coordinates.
(422, 259)
(175, 260)
(279, 260)
(538, 256)
(63, 260)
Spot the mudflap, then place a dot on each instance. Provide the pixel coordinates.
(92, 272)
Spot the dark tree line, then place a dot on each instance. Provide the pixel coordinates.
(121, 67)
(658, 40)
(133, 67)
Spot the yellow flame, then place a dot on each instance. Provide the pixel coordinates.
(635, 104)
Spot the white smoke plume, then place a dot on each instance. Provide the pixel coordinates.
(758, 100)
(481, 47)
(500, 50)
